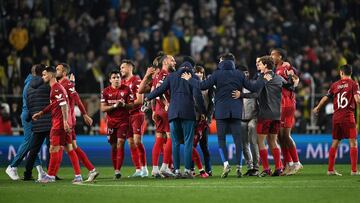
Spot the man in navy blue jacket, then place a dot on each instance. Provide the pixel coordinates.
(181, 114)
(228, 111)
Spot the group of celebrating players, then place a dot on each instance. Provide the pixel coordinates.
(124, 103)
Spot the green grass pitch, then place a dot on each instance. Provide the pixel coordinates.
(311, 185)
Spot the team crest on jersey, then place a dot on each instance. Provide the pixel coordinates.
(122, 94)
(58, 96)
(56, 90)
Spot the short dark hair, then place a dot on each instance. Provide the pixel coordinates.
(39, 68)
(346, 69)
(227, 56)
(243, 67)
(268, 61)
(129, 62)
(113, 72)
(200, 69)
(50, 69)
(281, 51)
(66, 67)
(189, 59)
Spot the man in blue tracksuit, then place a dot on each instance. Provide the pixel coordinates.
(24, 148)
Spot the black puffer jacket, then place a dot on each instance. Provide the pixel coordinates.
(38, 97)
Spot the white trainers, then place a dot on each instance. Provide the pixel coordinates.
(144, 172)
(12, 173)
(77, 180)
(137, 174)
(295, 168)
(92, 176)
(333, 173)
(357, 173)
(41, 176)
(167, 173)
(156, 174)
(47, 179)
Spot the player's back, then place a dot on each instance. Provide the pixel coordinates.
(343, 92)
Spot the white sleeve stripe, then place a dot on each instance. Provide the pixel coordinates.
(62, 103)
(102, 100)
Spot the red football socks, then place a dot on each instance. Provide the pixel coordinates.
(54, 159)
(113, 157)
(119, 158)
(286, 155)
(75, 162)
(294, 154)
(135, 157)
(159, 141)
(142, 154)
(84, 159)
(196, 158)
(277, 159)
(354, 158)
(264, 158)
(167, 151)
(332, 154)
(60, 156)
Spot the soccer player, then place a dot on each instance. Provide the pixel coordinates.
(115, 101)
(60, 128)
(62, 70)
(137, 117)
(269, 101)
(345, 93)
(288, 107)
(202, 127)
(160, 116)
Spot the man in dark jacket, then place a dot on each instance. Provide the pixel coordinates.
(28, 136)
(181, 114)
(228, 111)
(37, 99)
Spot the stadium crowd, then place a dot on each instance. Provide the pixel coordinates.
(94, 36)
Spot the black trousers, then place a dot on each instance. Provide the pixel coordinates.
(39, 138)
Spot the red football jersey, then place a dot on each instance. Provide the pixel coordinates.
(111, 96)
(58, 98)
(287, 96)
(343, 92)
(73, 97)
(157, 81)
(133, 83)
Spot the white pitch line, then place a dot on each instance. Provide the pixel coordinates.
(220, 187)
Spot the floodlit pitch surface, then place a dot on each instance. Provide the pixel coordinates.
(311, 185)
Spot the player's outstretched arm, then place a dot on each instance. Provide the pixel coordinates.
(322, 102)
(145, 84)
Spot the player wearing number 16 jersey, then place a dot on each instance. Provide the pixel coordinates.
(345, 94)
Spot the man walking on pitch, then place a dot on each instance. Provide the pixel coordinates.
(346, 94)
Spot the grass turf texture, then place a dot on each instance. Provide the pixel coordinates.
(311, 185)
